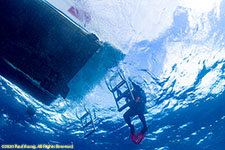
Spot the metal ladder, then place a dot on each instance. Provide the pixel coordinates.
(87, 122)
(118, 95)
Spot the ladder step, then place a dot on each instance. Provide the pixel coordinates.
(87, 124)
(122, 95)
(84, 116)
(123, 107)
(89, 133)
(118, 85)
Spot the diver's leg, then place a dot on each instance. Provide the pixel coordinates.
(142, 118)
(127, 119)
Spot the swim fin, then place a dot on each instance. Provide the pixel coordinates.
(137, 139)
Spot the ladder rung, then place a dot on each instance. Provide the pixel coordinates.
(123, 107)
(87, 124)
(118, 85)
(84, 116)
(89, 133)
(122, 95)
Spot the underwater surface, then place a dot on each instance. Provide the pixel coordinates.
(173, 50)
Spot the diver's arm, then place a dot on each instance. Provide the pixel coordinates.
(137, 99)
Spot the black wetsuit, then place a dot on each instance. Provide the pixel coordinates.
(137, 107)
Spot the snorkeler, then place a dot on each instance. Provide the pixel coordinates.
(137, 107)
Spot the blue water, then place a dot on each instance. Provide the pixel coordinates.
(182, 72)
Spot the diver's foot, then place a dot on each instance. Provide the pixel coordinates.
(144, 130)
(132, 129)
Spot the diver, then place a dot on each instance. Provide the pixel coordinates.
(137, 107)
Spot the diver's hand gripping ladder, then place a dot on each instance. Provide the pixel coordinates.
(118, 95)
